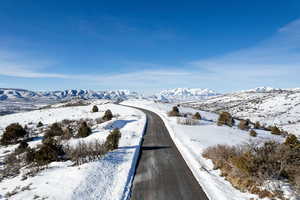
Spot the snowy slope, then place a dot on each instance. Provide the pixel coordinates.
(108, 178)
(192, 140)
(184, 94)
(267, 105)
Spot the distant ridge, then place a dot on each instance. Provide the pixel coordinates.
(184, 94)
(14, 94)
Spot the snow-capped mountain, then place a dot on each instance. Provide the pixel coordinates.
(184, 94)
(14, 100)
(264, 104)
(26, 95)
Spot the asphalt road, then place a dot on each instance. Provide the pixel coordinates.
(162, 173)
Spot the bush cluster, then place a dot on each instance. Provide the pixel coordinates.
(275, 130)
(250, 165)
(49, 151)
(12, 134)
(225, 118)
(107, 115)
(40, 124)
(84, 130)
(197, 116)
(252, 133)
(51, 148)
(54, 130)
(174, 112)
(257, 125)
(112, 140)
(95, 109)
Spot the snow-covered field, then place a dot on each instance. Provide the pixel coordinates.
(192, 140)
(268, 106)
(108, 178)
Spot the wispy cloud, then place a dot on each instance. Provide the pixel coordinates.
(275, 62)
(18, 65)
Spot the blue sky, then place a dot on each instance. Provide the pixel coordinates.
(149, 45)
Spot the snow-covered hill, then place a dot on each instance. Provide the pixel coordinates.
(14, 100)
(267, 105)
(106, 178)
(184, 94)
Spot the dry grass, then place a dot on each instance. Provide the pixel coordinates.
(187, 121)
(225, 118)
(248, 166)
(85, 152)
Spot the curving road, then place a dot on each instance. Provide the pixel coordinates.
(162, 173)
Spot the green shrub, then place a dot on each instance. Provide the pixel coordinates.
(48, 152)
(54, 130)
(174, 112)
(107, 115)
(84, 130)
(225, 118)
(112, 140)
(244, 125)
(12, 133)
(197, 116)
(40, 124)
(95, 109)
(29, 155)
(22, 147)
(253, 133)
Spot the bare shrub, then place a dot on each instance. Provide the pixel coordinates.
(12, 166)
(253, 133)
(174, 112)
(107, 115)
(84, 130)
(112, 140)
(244, 125)
(225, 118)
(187, 121)
(12, 134)
(95, 109)
(257, 125)
(197, 116)
(275, 130)
(248, 166)
(292, 141)
(297, 183)
(85, 152)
